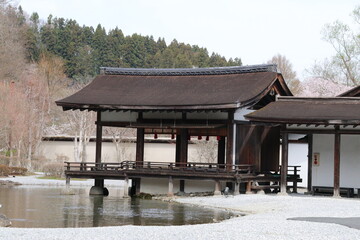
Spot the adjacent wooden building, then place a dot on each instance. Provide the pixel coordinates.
(331, 127)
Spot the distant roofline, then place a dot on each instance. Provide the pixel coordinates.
(189, 71)
(312, 99)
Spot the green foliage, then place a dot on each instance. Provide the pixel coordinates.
(85, 49)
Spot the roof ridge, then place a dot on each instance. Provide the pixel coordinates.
(189, 71)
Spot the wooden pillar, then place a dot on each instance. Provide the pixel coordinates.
(182, 186)
(98, 147)
(221, 150)
(284, 162)
(140, 139)
(177, 149)
(237, 188)
(135, 186)
(183, 146)
(248, 187)
(310, 153)
(217, 188)
(98, 138)
(230, 141)
(171, 187)
(337, 162)
(126, 187)
(67, 182)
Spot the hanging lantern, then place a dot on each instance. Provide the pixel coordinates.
(207, 138)
(199, 137)
(172, 135)
(155, 135)
(218, 138)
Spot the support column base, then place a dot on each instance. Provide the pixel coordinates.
(216, 193)
(96, 190)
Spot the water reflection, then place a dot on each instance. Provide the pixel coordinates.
(45, 207)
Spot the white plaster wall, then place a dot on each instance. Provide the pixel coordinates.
(323, 175)
(298, 157)
(119, 116)
(158, 185)
(153, 152)
(161, 185)
(239, 113)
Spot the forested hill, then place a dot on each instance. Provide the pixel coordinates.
(85, 49)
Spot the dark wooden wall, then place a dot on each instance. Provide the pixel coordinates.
(259, 146)
(270, 148)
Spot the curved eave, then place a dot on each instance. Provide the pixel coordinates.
(82, 107)
(283, 90)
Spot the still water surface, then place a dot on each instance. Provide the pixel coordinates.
(35, 207)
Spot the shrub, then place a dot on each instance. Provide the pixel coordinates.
(53, 169)
(17, 170)
(4, 170)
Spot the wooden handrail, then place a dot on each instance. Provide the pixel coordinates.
(87, 166)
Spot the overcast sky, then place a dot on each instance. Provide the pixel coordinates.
(253, 30)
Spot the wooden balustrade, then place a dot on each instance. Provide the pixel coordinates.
(131, 165)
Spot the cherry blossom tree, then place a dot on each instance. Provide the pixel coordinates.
(320, 87)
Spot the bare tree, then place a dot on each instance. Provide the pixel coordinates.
(121, 140)
(206, 151)
(12, 51)
(344, 66)
(286, 68)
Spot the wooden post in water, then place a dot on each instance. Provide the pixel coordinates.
(67, 182)
(182, 186)
(171, 187)
(126, 187)
(98, 182)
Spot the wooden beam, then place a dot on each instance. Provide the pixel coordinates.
(337, 163)
(321, 131)
(310, 153)
(284, 162)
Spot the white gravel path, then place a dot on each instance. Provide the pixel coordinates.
(266, 219)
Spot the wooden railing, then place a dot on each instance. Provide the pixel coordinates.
(132, 165)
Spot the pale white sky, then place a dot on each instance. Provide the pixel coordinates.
(254, 30)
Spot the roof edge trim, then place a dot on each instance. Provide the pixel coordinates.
(189, 71)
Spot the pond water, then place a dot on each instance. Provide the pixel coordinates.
(44, 207)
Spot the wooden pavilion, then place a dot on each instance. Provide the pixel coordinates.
(185, 102)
